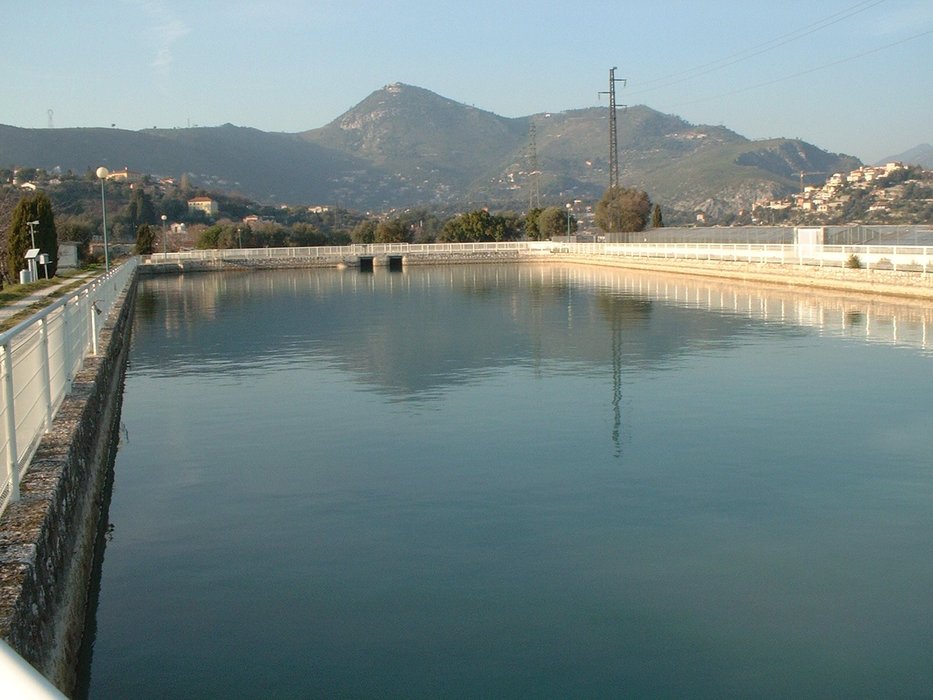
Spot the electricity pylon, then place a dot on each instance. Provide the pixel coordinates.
(613, 134)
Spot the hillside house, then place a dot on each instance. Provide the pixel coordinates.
(125, 175)
(205, 204)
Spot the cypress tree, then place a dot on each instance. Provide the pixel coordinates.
(145, 239)
(37, 207)
(656, 220)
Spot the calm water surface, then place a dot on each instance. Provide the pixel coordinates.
(517, 482)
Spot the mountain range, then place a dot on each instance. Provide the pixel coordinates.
(921, 155)
(404, 146)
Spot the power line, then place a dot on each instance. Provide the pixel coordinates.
(756, 50)
(805, 72)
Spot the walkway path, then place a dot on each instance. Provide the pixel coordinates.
(14, 307)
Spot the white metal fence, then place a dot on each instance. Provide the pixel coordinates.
(326, 252)
(906, 257)
(897, 257)
(40, 358)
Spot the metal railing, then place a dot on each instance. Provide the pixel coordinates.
(896, 257)
(39, 359)
(20, 680)
(913, 258)
(326, 252)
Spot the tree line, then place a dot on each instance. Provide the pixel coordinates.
(135, 214)
(620, 210)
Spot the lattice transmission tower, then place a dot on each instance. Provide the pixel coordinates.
(534, 185)
(613, 133)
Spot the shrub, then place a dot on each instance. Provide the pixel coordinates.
(854, 262)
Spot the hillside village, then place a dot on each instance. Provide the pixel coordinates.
(889, 193)
(893, 193)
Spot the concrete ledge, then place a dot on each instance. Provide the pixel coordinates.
(902, 283)
(47, 538)
(155, 267)
(233, 264)
(885, 282)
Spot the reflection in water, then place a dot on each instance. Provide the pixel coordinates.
(309, 311)
(445, 326)
(521, 481)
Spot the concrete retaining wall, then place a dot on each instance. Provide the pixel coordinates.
(154, 266)
(861, 281)
(875, 281)
(47, 538)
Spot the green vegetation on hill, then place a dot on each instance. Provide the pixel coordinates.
(404, 146)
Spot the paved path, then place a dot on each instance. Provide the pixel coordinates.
(15, 307)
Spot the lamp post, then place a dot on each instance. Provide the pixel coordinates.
(569, 206)
(164, 248)
(102, 174)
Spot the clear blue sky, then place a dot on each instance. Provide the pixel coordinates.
(851, 76)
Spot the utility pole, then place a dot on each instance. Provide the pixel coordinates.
(613, 134)
(32, 231)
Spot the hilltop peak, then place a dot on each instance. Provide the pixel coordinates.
(405, 145)
(921, 155)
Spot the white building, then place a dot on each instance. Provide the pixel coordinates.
(205, 204)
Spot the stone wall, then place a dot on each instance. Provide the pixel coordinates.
(47, 538)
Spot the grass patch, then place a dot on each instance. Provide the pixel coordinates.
(64, 283)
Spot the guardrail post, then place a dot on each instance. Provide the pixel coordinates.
(46, 373)
(93, 311)
(66, 354)
(11, 453)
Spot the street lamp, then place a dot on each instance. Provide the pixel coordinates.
(164, 249)
(102, 174)
(569, 206)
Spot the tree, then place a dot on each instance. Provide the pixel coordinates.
(145, 239)
(37, 207)
(77, 229)
(424, 225)
(209, 237)
(531, 224)
(478, 226)
(393, 231)
(623, 210)
(553, 221)
(301, 235)
(656, 220)
(139, 210)
(364, 232)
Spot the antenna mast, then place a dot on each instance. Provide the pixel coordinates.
(613, 134)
